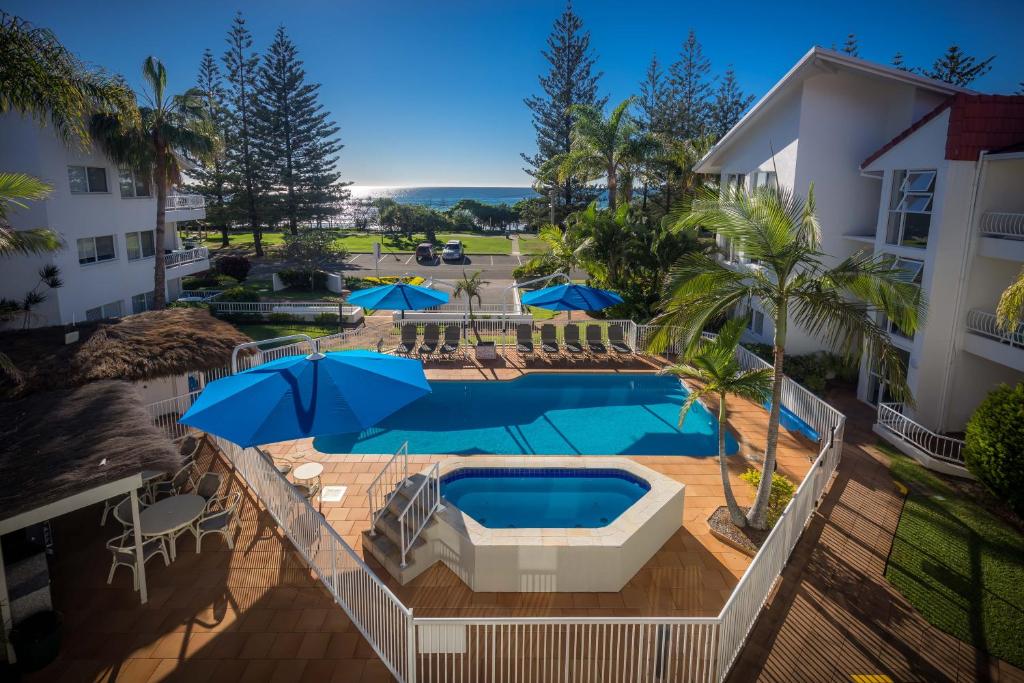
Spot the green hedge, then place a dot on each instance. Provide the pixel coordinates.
(245, 294)
(995, 445)
(299, 278)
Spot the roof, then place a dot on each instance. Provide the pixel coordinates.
(146, 346)
(818, 56)
(57, 444)
(977, 123)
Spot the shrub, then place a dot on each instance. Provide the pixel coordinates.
(235, 267)
(326, 319)
(239, 294)
(994, 452)
(239, 318)
(299, 278)
(282, 318)
(782, 492)
(815, 371)
(188, 304)
(205, 280)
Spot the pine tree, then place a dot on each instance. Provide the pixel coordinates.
(571, 80)
(243, 153)
(899, 63)
(655, 101)
(850, 47)
(1020, 90)
(958, 68)
(301, 145)
(211, 178)
(691, 90)
(729, 105)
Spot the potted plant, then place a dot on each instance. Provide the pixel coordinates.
(472, 286)
(36, 640)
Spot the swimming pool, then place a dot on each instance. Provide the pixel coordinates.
(549, 498)
(544, 414)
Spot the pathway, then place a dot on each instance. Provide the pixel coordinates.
(834, 617)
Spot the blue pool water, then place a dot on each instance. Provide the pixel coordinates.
(544, 414)
(531, 498)
(789, 420)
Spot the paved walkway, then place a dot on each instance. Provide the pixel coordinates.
(834, 617)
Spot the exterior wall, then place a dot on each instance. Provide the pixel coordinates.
(973, 378)
(27, 147)
(776, 133)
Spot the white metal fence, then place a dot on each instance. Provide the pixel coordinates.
(293, 307)
(986, 324)
(185, 201)
(181, 258)
(939, 446)
(423, 503)
(385, 485)
(1003, 224)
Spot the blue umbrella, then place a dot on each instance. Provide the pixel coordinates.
(398, 297)
(571, 298)
(302, 396)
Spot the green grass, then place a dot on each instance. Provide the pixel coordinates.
(541, 313)
(244, 240)
(531, 244)
(958, 564)
(261, 331)
(266, 291)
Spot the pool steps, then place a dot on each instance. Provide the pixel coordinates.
(386, 545)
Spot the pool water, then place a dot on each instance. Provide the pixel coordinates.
(538, 498)
(544, 414)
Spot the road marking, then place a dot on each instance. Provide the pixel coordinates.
(492, 260)
(410, 258)
(382, 257)
(353, 259)
(519, 259)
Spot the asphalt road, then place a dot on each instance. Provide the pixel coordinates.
(497, 266)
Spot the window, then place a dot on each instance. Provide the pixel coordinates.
(86, 179)
(766, 179)
(140, 244)
(735, 182)
(133, 183)
(756, 322)
(142, 302)
(96, 249)
(115, 309)
(909, 271)
(910, 208)
(877, 390)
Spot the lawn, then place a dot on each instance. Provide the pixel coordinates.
(244, 240)
(959, 564)
(261, 331)
(531, 244)
(266, 291)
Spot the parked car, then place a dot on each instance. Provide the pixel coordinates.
(425, 252)
(453, 251)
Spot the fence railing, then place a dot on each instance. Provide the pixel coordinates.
(478, 309)
(298, 307)
(422, 505)
(1003, 224)
(186, 256)
(986, 324)
(204, 294)
(385, 485)
(939, 446)
(185, 201)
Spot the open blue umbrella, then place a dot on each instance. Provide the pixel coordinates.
(303, 396)
(571, 297)
(398, 297)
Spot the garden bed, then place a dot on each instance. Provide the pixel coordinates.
(746, 539)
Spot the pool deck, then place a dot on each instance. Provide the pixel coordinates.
(692, 575)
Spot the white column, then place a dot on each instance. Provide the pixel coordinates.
(141, 565)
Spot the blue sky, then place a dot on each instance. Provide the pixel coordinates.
(430, 93)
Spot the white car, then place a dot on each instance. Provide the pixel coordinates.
(453, 251)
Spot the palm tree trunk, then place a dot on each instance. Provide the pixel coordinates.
(159, 263)
(758, 515)
(472, 320)
(612, 189)
(735, 513)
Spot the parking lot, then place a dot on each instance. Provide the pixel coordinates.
(495, 266)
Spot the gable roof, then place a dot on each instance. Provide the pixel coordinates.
(976, 123)
(817, 57)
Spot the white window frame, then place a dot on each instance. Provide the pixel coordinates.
(114, 309)
(756, 322)
(908, 197)
(133, 176)
(88, 182)
(95, 252)
(763, 178)
(141, 250)
(147, 302)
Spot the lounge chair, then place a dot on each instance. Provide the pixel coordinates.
(524, 340)
(408, 340)
(617, 340)
(431, 339)
(573, 345)
(452, 339)
(548, 340)
(595, 341)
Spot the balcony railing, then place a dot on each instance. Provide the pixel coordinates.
(938, 446)
(184, 202)
(984, 323)
(181, 258)
(1002, 224)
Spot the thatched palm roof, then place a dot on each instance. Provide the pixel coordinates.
(138, 347)
(58, 443)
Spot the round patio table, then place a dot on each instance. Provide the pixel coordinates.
(170, 515)
(307, 470)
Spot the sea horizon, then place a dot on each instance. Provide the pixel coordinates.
(444, 196)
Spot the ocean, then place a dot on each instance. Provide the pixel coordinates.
(443, 197)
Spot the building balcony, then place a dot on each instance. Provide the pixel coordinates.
(185, 207)
(935, 451)
(187, 261)
(985, 338)
(1002, 235)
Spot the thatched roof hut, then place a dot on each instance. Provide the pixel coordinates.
(57, 444)
(138, 347)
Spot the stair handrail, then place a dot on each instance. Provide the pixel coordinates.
(422, 505)
(385, 485)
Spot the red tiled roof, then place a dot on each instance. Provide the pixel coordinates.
(976, 123)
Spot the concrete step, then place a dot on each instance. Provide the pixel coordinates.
(389, 525)
(389, 554)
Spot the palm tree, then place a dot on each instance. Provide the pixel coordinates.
(838, 304)
(604, 147)
(15, 190)
(1011, 304)
(607, 237)
(566, 248)
(471, 286)
(714, 365)
(168, 126)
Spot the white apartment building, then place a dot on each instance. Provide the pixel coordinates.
(926, 172)
(106, 217)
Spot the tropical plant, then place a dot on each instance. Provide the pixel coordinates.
(994, 444)
(169, 126)
(471, 286)
(713, 364)
(566, 248)
(839, 304)
(15, 190)
(782, 491)
(49, 277)
(1010, 310)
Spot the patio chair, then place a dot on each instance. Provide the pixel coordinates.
(221, 518)
(431, 339)
(452, 339)
(549, 340)
(595, 341)
(571, 333)
(174, 485)
(617, 341)
(123, 550)
(524, 341)
(123, 513)
(189, 449)
(408, 340)
(310, 490)
(208, 486)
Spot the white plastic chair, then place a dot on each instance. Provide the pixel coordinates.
(123, 550)
(174, 485)
(221, 518)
